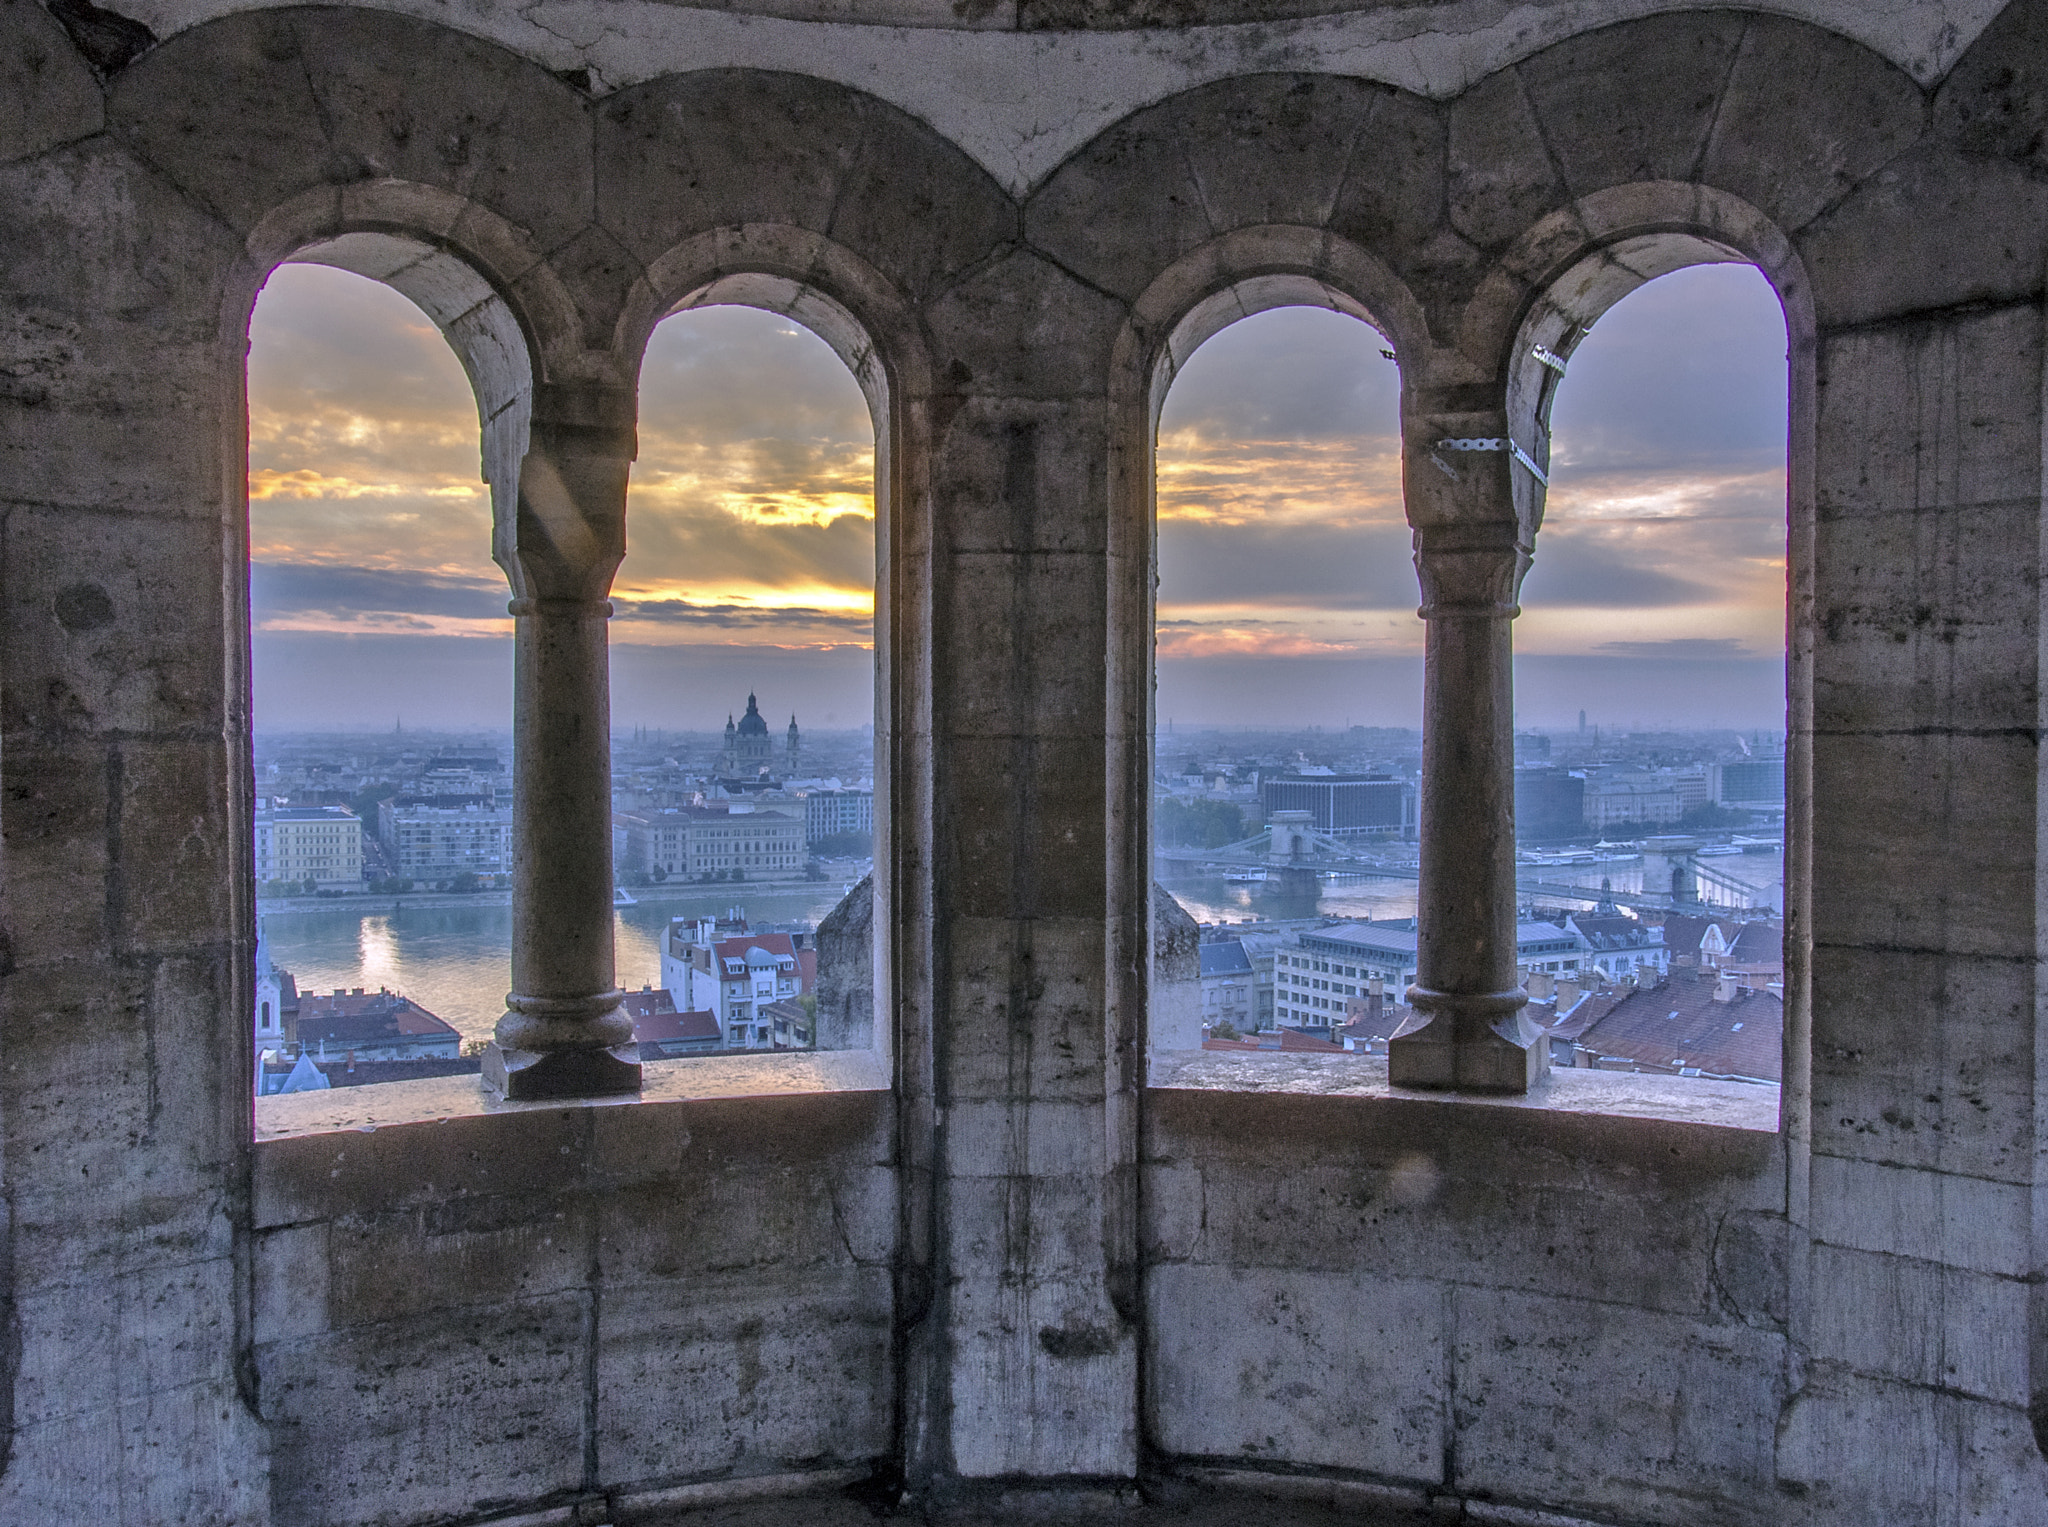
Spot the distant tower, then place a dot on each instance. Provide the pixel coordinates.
(796, 746)
(728, 761)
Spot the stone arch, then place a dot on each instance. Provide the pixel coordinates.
(1249, 271)
(1579, 262)
(1574, 264)
(510, 336)
(875, 332)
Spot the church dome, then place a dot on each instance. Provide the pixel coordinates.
(751, 724)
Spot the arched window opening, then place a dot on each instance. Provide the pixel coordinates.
(744, 685)
(1288, 705)
(1650, 799)
(381, 675)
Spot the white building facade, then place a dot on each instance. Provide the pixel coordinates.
(322, 844)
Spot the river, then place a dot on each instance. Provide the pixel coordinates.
(456, 960)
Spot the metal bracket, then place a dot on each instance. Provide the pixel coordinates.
(1526, 460)
(1549, 358)
(1495, 443)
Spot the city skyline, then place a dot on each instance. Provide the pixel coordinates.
(1286, 591)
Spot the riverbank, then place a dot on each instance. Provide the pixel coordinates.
(367, 904)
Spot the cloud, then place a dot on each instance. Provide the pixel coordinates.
(854, 626)
(1690, 649)
(700, 548)
(301, 592)
(1290, 373)
(1315, 566)
(1686, 372)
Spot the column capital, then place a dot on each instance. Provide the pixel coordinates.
(1471, 570)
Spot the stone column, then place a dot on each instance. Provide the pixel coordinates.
(1469, 1031)
(563, 1034)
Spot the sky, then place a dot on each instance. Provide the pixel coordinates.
(1287, 595)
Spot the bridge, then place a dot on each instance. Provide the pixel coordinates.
(1295, 850)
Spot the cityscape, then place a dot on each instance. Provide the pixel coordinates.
(1651, 869)
(1649, 771)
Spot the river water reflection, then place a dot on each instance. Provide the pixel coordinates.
(456, 960)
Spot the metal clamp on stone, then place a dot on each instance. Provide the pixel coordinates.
(1495, 443)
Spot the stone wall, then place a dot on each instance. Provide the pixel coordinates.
(637, 1305)
(1874, 1347)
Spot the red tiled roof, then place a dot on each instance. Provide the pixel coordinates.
(736, 948)
(648, 1002)
(362, 1018)
(1290, 1040)
(1677, 1025)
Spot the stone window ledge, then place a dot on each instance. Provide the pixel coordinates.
(1616, 1094)
(684, 1079)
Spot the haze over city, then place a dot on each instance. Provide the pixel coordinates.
(1287, 595)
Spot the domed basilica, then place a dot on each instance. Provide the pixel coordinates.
(749, 751)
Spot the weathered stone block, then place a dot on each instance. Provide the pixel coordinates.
(58, 859)
(1024, 826)
(239, 150)
(1395, 184)
(1274, 148)
(441, 1416)
(1598, 1408)
(1346, 1372)
(1024, 1010)
(115, 624)
(535, 1152)
(1039, 1326)
(1805, 117)
(1086, 214)
(1608, 119)
(1926, 621)
(188, 1457)
(1020, 327)
(737, 1377)
(1961, 1222)
(1933, 1075)
(470, 1253)
(916, 208)
(1033, 626)
(47, 94)
(1922, 1323)
(291, 1277)
(1500, 179)
(1927, 413)
(1887, 249)
(1995, 99)
(1022, 476)
(432, 105)
(1912, 842)
(689, 152)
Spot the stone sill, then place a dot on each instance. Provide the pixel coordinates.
(1614, 1094)
(685, 1079)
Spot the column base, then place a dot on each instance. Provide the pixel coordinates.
(1498, 1050)
(525, 1076)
